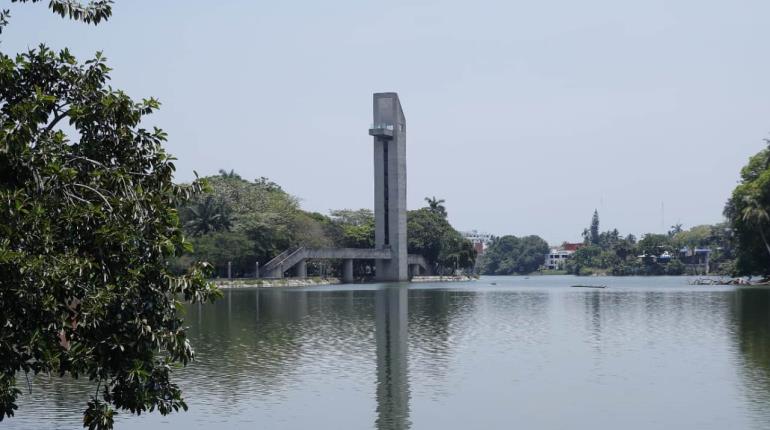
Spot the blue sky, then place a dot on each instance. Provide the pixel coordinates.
(524, 116)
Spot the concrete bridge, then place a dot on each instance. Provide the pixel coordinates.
(296, 261)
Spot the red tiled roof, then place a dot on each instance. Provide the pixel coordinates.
(572, 246)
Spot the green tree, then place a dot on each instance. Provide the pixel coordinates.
(675, 229)
(88, 222)
(222, 247)
(584, 258)
(260, 212)
(229, 175)
(436, 205)
(654, 244)
(747, 211)
(609, 239)
(755, 215)
(352, 217)
(697, 236)
(94, 12)
(509, 255)
(207, 216)
(430, 235)
(595, 228)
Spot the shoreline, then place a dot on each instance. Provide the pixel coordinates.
(459, 278)
(227, 284)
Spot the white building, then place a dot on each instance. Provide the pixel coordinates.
(479, 239)
(556, 259)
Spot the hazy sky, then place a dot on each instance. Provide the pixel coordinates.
(523, 115)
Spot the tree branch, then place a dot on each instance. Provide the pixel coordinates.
(58, 117)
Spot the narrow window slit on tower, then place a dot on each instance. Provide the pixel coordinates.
(385, 200)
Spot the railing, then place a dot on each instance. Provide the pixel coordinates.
(292, 255)
(278, 259)
(383, 126)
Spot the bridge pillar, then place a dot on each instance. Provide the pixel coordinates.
(347, 271)
(301, 269)
(278, 272)
(414, 270)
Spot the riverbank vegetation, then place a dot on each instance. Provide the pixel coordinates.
(740, 246)
(511, 255)
(679, 252)
(247, 222)
(748, 212)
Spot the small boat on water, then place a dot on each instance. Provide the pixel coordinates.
(589, 286)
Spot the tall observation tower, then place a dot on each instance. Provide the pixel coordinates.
(389, 132)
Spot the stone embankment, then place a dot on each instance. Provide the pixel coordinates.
(272, 283)
(461, 278)
(733, 281)
(311, 282)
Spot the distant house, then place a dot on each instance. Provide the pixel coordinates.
(572, 247)
(557, 258)
(480, 240)
(648, 258)
(698, 256)
(664, 258)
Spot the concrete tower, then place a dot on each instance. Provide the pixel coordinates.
(389, 131)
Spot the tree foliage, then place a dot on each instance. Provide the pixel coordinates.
(594, 232)
(654, 254)
(87, 223)
(509, 255)
(353, 229)
(437, 206)
(430, 235)
(266, 221)
(245, 222)
(208, 215)
(93, 12)
(747, 211)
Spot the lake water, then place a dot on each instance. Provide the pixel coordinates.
(524, 353)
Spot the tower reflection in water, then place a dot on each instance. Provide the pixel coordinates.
(391, 305)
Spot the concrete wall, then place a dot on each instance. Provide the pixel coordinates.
(390, 181)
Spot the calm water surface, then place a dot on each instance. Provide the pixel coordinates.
(528, 353)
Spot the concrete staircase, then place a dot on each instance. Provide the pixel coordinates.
(279, 264)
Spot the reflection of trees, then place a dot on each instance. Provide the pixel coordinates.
(251, 341)
(433, 316)
(593, 305)
(245, 338)
(752, 317)
(62, 398)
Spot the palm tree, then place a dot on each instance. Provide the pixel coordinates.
(229, 175)
(436, 205)
(208, 216)
(675, 229)
(754, 214)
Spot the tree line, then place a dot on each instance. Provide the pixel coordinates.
(737, 246)
(678, 252)
(244, 222)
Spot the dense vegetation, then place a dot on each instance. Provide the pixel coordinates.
(511, 255)
(655, 254)
(748, 211)
(244, 222)
(88, 221)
